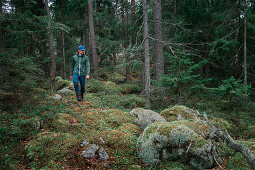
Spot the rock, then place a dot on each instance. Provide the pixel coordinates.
(178, 112)
(146, 117)
(84, 143)
(103, 156)
(90, 152)
(176, 140)
(65, 91)
(101, 140)
(56, 97)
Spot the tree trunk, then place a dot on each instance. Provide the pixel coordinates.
(147, 56)
(133, 21)
(124, 17)
(158, 46)
(52, 58)
(93, 39)
(245, 45)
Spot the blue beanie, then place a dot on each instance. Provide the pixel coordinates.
(81, 47)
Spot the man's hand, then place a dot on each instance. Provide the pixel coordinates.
(71, 77)
(87, 76)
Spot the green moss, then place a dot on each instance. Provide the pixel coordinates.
(131, 88)
(220, 123)
(250, 132)
(49, 146)
(66, 123)
(111, 88)
(238, 161)
(171, 114)
(116, 77)
(60, 84)
(130, 128)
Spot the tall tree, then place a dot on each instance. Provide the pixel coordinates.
(124, 16)
(158, 46)
(147, 78)
(92, 38)
(52, 57)
(245, 45)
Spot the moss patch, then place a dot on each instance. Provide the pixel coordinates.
(49, 147)
(171, 114)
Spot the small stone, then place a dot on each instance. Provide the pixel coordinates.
(57, 97)
(65, 90)
(101, 140)
(84, 143)
(90, 152)
(103, 156)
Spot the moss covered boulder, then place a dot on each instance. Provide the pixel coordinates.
(61, 83)
(146, 117)
(176, 140)
(178, 112)
(50, 147)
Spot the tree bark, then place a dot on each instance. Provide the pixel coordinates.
(52, 57)
(245, 45)
(126, 41)
(93, 39)
(147, 56)
(158, 46)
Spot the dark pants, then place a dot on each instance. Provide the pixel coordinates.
(76, 80)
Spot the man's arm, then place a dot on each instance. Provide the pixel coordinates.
(87, 66)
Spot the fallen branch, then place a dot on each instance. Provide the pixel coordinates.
(238, 147)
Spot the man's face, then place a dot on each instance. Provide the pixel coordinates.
(81, 51)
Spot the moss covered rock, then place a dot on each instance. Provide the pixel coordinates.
(111, 88)
(176, 140)
(130, 128)
(61, 83)
(146, 117)
(178, 112)
(48, 147)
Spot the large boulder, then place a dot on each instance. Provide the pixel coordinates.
(146, 117)
(176, 140)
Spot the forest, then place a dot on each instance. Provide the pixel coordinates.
(171, 84)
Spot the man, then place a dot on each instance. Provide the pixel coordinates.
(79, 68)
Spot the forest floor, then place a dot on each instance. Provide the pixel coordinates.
(46, 133)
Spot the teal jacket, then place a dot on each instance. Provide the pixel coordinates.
(80, 65)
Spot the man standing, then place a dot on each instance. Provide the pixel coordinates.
(79, 68)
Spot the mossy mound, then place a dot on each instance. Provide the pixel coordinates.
(61, 83)
(105, 119)
(176, 140)
(39, 90)
(111, 88)
(171, 114)
(220, 123)
(131, 88)
(238, 161)
(117, 78)
(103, 100)
(250, 132)
(131, 128)
(49, 147)
(95, 86)
(66, 123)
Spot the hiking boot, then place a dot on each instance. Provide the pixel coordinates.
(79, 98)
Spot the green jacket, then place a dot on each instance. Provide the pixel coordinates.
(80, 64)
